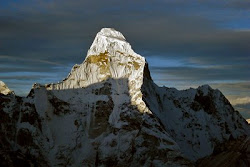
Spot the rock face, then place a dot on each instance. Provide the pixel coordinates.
(197, 119)
(109, 112)
(231, 153)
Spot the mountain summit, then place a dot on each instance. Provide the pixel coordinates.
(109, 112)
(110, 56)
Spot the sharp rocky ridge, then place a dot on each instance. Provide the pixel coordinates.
(109, 112)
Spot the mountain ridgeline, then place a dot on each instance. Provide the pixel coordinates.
(109, 112)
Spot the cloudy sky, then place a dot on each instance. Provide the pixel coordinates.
(187, 43)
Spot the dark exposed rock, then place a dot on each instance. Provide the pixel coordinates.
(16, 158)
(24, 137)
(234, 152)
(206, 102)
(105, 90)
(60, 106)
(99, 122)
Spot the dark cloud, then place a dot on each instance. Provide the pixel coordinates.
(165, 28)
(207, 74)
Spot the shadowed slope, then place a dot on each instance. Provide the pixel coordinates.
(98, 122)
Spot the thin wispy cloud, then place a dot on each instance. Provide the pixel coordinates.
(241, 100)
(29, 60)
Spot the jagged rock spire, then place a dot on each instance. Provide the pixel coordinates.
(110, 56)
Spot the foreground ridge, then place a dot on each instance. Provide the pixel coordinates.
(109, 112)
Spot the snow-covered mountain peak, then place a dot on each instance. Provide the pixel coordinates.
(110, 40)
(4, 89)
(110, 56)
(111, 33)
